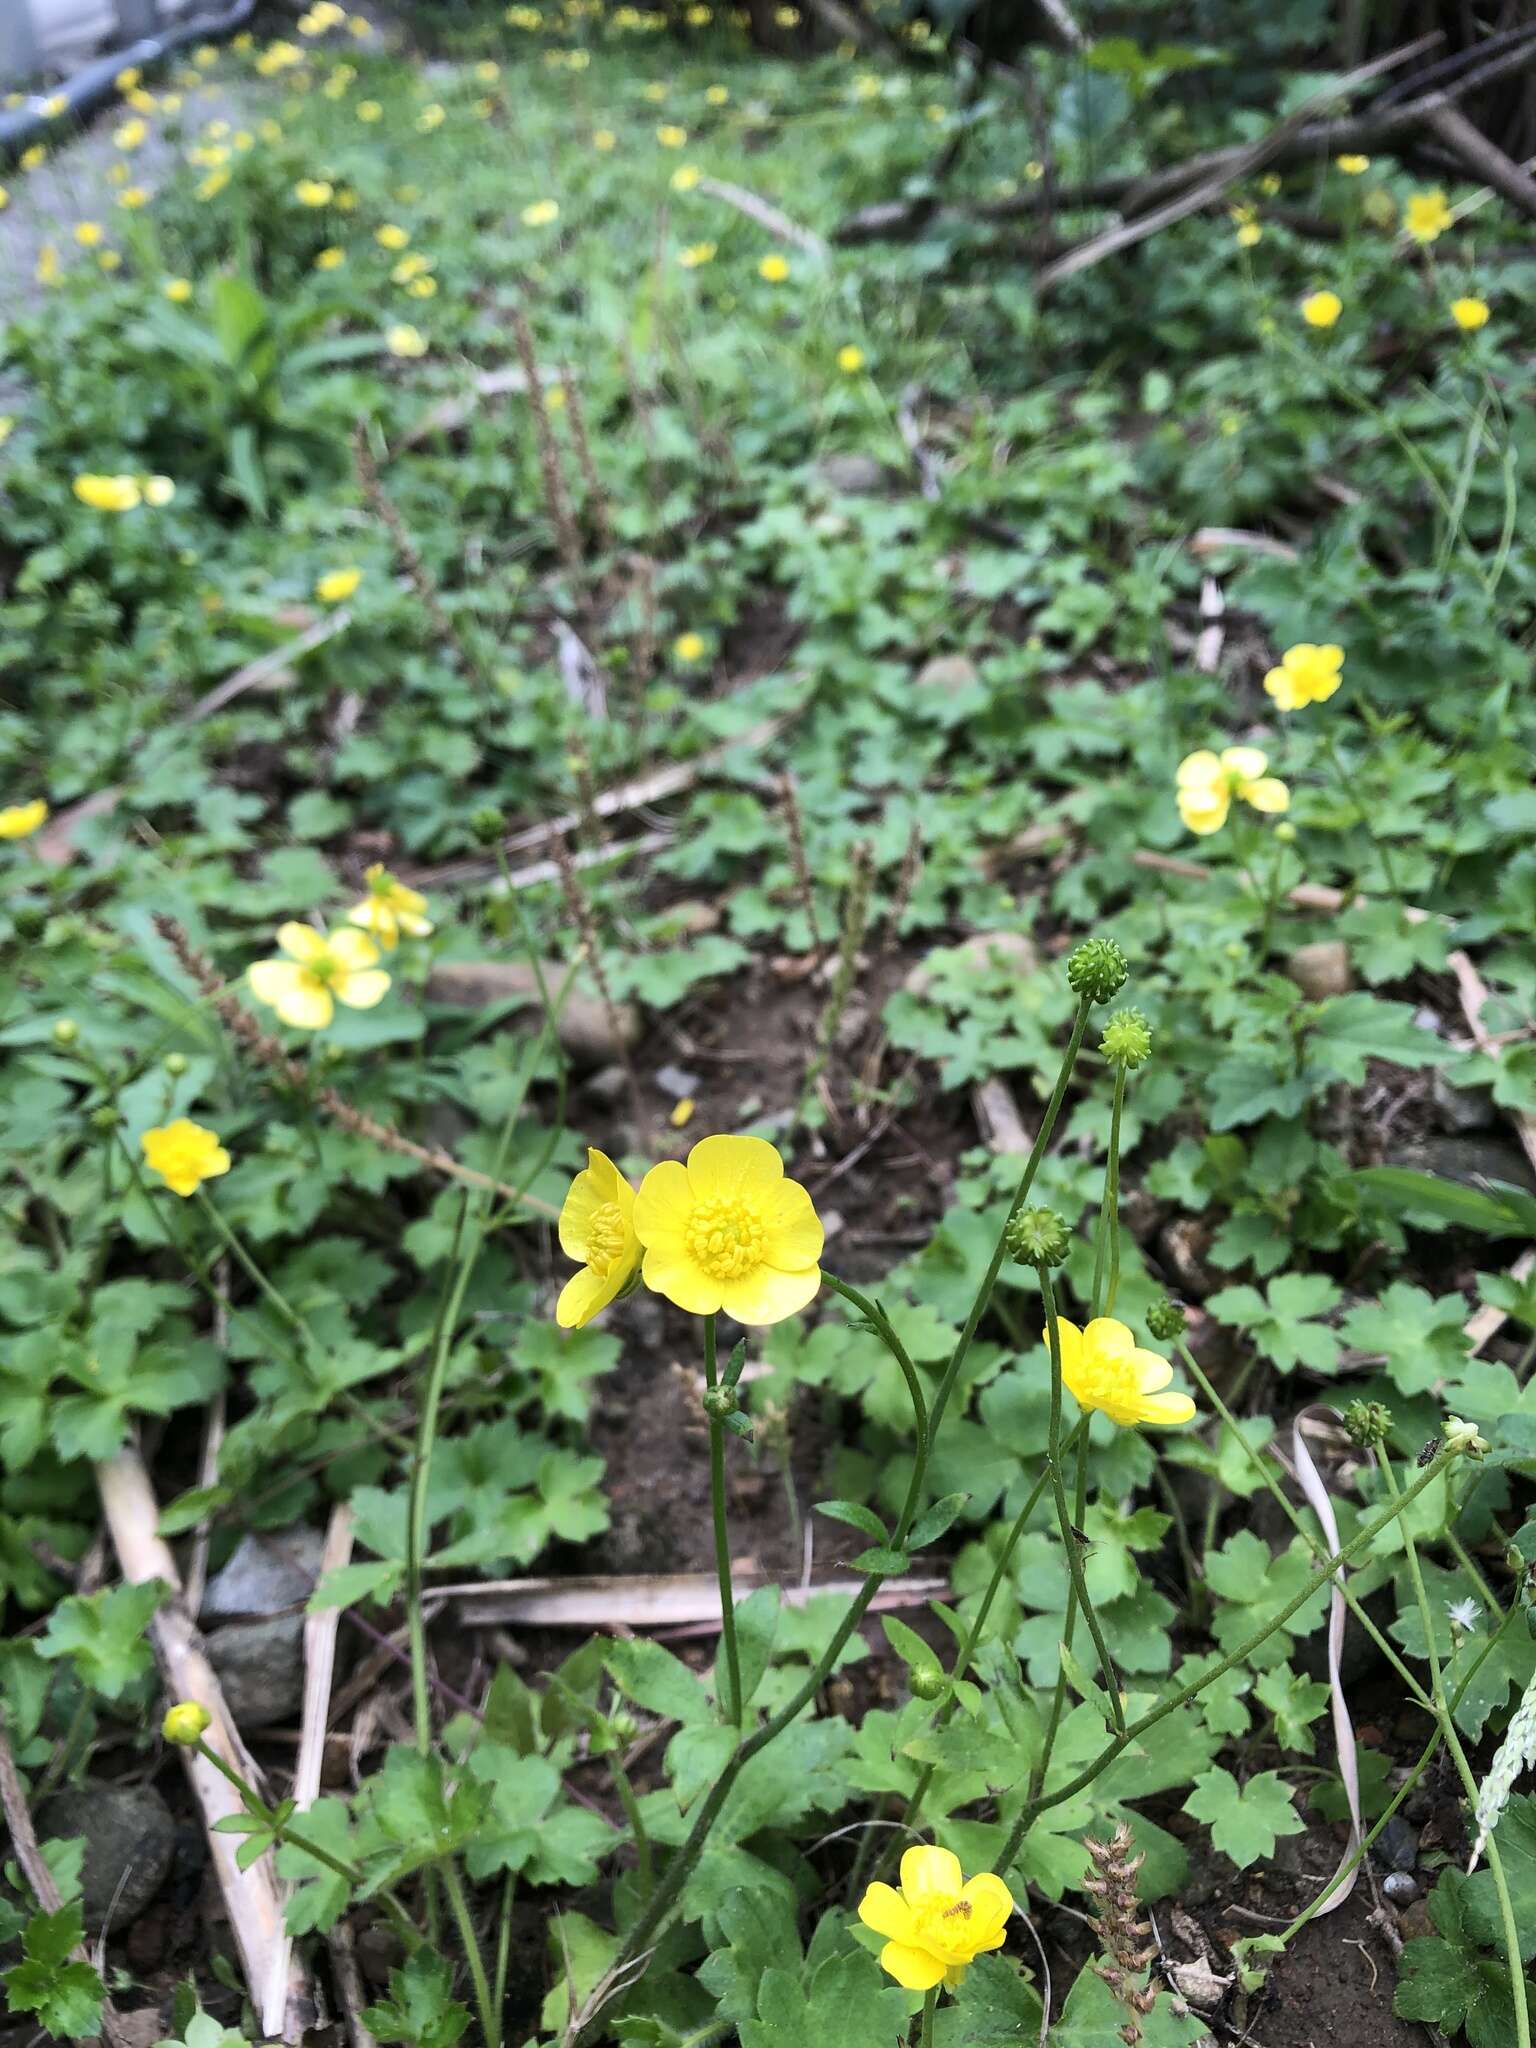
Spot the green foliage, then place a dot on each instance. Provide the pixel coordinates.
(64, 1995)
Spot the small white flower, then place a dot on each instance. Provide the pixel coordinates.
(1463, 1615)
(1464, 1436)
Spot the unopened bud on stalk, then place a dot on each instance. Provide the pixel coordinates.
(928, 1682)
(175, 1064)
(719, 1402)
(185, 1722)
(1037, 1237)
(487, 824)
(1464, 1436)
(1165, 1320)
(1127, 1040)
(1368, 1423)
(105, 1118)
(65, 1031)
(1097, 969)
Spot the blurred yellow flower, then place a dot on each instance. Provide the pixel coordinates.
(88, 233)
(690, 646)
(158, 490)
(697, 253)
(488, 71)
(133, 197)
(185, 1722)
(1307, 674)
(5, 199)
(1353, 166)
(31, 158)
(937, 1924)
(604, 139)
(20, 821)
(7, 423)
(337, 585)
(1249, 235)
(850, 360)
(717, 95)
(685, 177)
(369, 110)
(429, 118)
(321, 970)
(597, 1229)
(422, 287)
(128, 78)
(130, 134)
(1427, 216)
(108, 493)
(1207, 783)
(727, 1231)
(184, 1154)
(540, 213)
(1469, 314)
(670, 136)
(178, 290)
(775, 269)
(682, 1112)
(314, 191)
(213, 185)
(392, 237)
(109, 259)
(389, 909)
(47, 269)
(1103, 1367)
(405, 340)
(410, 266)
(1321, 309)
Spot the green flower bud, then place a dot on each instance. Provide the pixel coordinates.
(30, 920)
(175, 1064)
(487, 824)
(1285, 832)
(720, 1402)
(105, 1118)
(623, 1726)
(1464, 1436)
(65, 1031)
(1368, 1423)
(1165, 1320)
(1097, 969)
(1037, 1237)
(1127, 1040)
(928, 1682)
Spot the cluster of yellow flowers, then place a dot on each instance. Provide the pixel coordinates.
(725, 1231)
(122, 493)
(322, 969)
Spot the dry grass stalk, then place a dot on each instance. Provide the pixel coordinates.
(597, 497)
(906, 882)
(579, 906)
(794, 825)
(556, 497)
(261, 1047)
(1120, 1929)
(384, 509)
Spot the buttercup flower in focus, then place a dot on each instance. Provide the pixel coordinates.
(1306, 675)
(184, 1154)
(1102, 1367)
(389, 909)
(321, 970)
(939, 1922)
(597, 1228)
(727, 1231)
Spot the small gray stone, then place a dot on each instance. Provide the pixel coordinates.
(1400, 1888)
(266, 1574)
(852, 1025)
(261, 1668)
(1460, 1109)
(130, 1839)
(1397, 1846)
(856, 476)
(947, 672)
(677, 1082)
(607, 1084)
(1321, 970)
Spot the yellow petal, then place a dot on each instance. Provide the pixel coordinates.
(795, 1235)
(1204, 810)
(664, 1204)
(1281, 685)
(1107, 1337)
(884, 1910)
(301, 941)
(766, 1295)
(1198, 769)
(1070, 1338)
(584, 1294)
(673, 1274)
(990, 1902)
(581, 1204)
(1246, 763)
(727, 1166)
(1269, 793)
(928, 1872)
(1166, 1408)
(361, 991)
(913, 1968)
(352, 949)
(293, 992)
(1152, 1371)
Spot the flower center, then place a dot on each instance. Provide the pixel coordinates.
(944, 1929)
(605, 1239)
(1111, 1384)
(323, 968)
(726, 1237)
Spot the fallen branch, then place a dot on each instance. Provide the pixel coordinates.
(253, 1897)
(1473, 991)
(767, 216)
(1485, 158)
(661, 1600)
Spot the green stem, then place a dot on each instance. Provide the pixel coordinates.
(632, 1814)
(732, 1705)
(1468, 1563)
(1361, 810)
(880, 1323)
(1363, 1847)
(1106, 1251)
(504, 1942)
(1365, 1535)
(421, 1469)
(249, 1267)
(490, 2019)
(930, 2000)
(1463, 1768)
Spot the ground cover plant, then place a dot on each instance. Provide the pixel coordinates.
(769, 1019)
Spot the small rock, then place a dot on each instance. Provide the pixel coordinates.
(856, 476)
(266, 1574)
(947, 672)
(1460, 1109)
(1182, 1243)
(677, 1082)
(690, 919)
(981, 952)
(1397, 1846)
(607, 1084)
(1400, 1888)
(261, 1668)
(1468, 1159)
(1414, 1922)
(129, 1841)
(1321, 970)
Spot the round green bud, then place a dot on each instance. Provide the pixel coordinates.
(720, 1402)
(487, 824)
(623, 1726)
(928, 1682)
(1285, 832)
(185, 1722)
(105, 1118)
(65, 1031)
(1127, 1040)
(1368, 1423)
(1037, 1237)
(1097, 970)
(175, 1064)
(1165, 1320)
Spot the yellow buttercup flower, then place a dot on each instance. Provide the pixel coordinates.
(184, 1154)
(392, 237)
(31, 158)
(1249, 235)
(728, 1231)
(20, 821)
(109, 259)
(717, 95)
(133, 197)
(1353, 166)
(337, 585)
(597, 1229)
(314, 191)
(1102, 1367)
(697, 254)
(369, 110)
(185, 1722)
(429, 118)
(322, 969)
(178, 290)
(850, 360)
(88, 233)
(422, 287)
(1427, 215)
(540, 213)
(670, 136)
(405, 340)
(1207, 783)
(157, 490)
(938, 1923)
(330, 259)
(1469, 314)
(389, 909)
(108, 493)
(1321, 309)
(774, 269)
(5, 199)
(1306, 675)
(604, 139)
(690, 646)
(685, 177)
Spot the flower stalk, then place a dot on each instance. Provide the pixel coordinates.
(732, 1705)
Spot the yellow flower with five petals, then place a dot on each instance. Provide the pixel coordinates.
(1427, 216)
(1306, 675)
(184, 1154)
(1207, 783)
(20, 821)
(727, 1231)
(322, 969)
(390, 908)
(597, 1228)
(1103, 1367)
(938, 1923)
